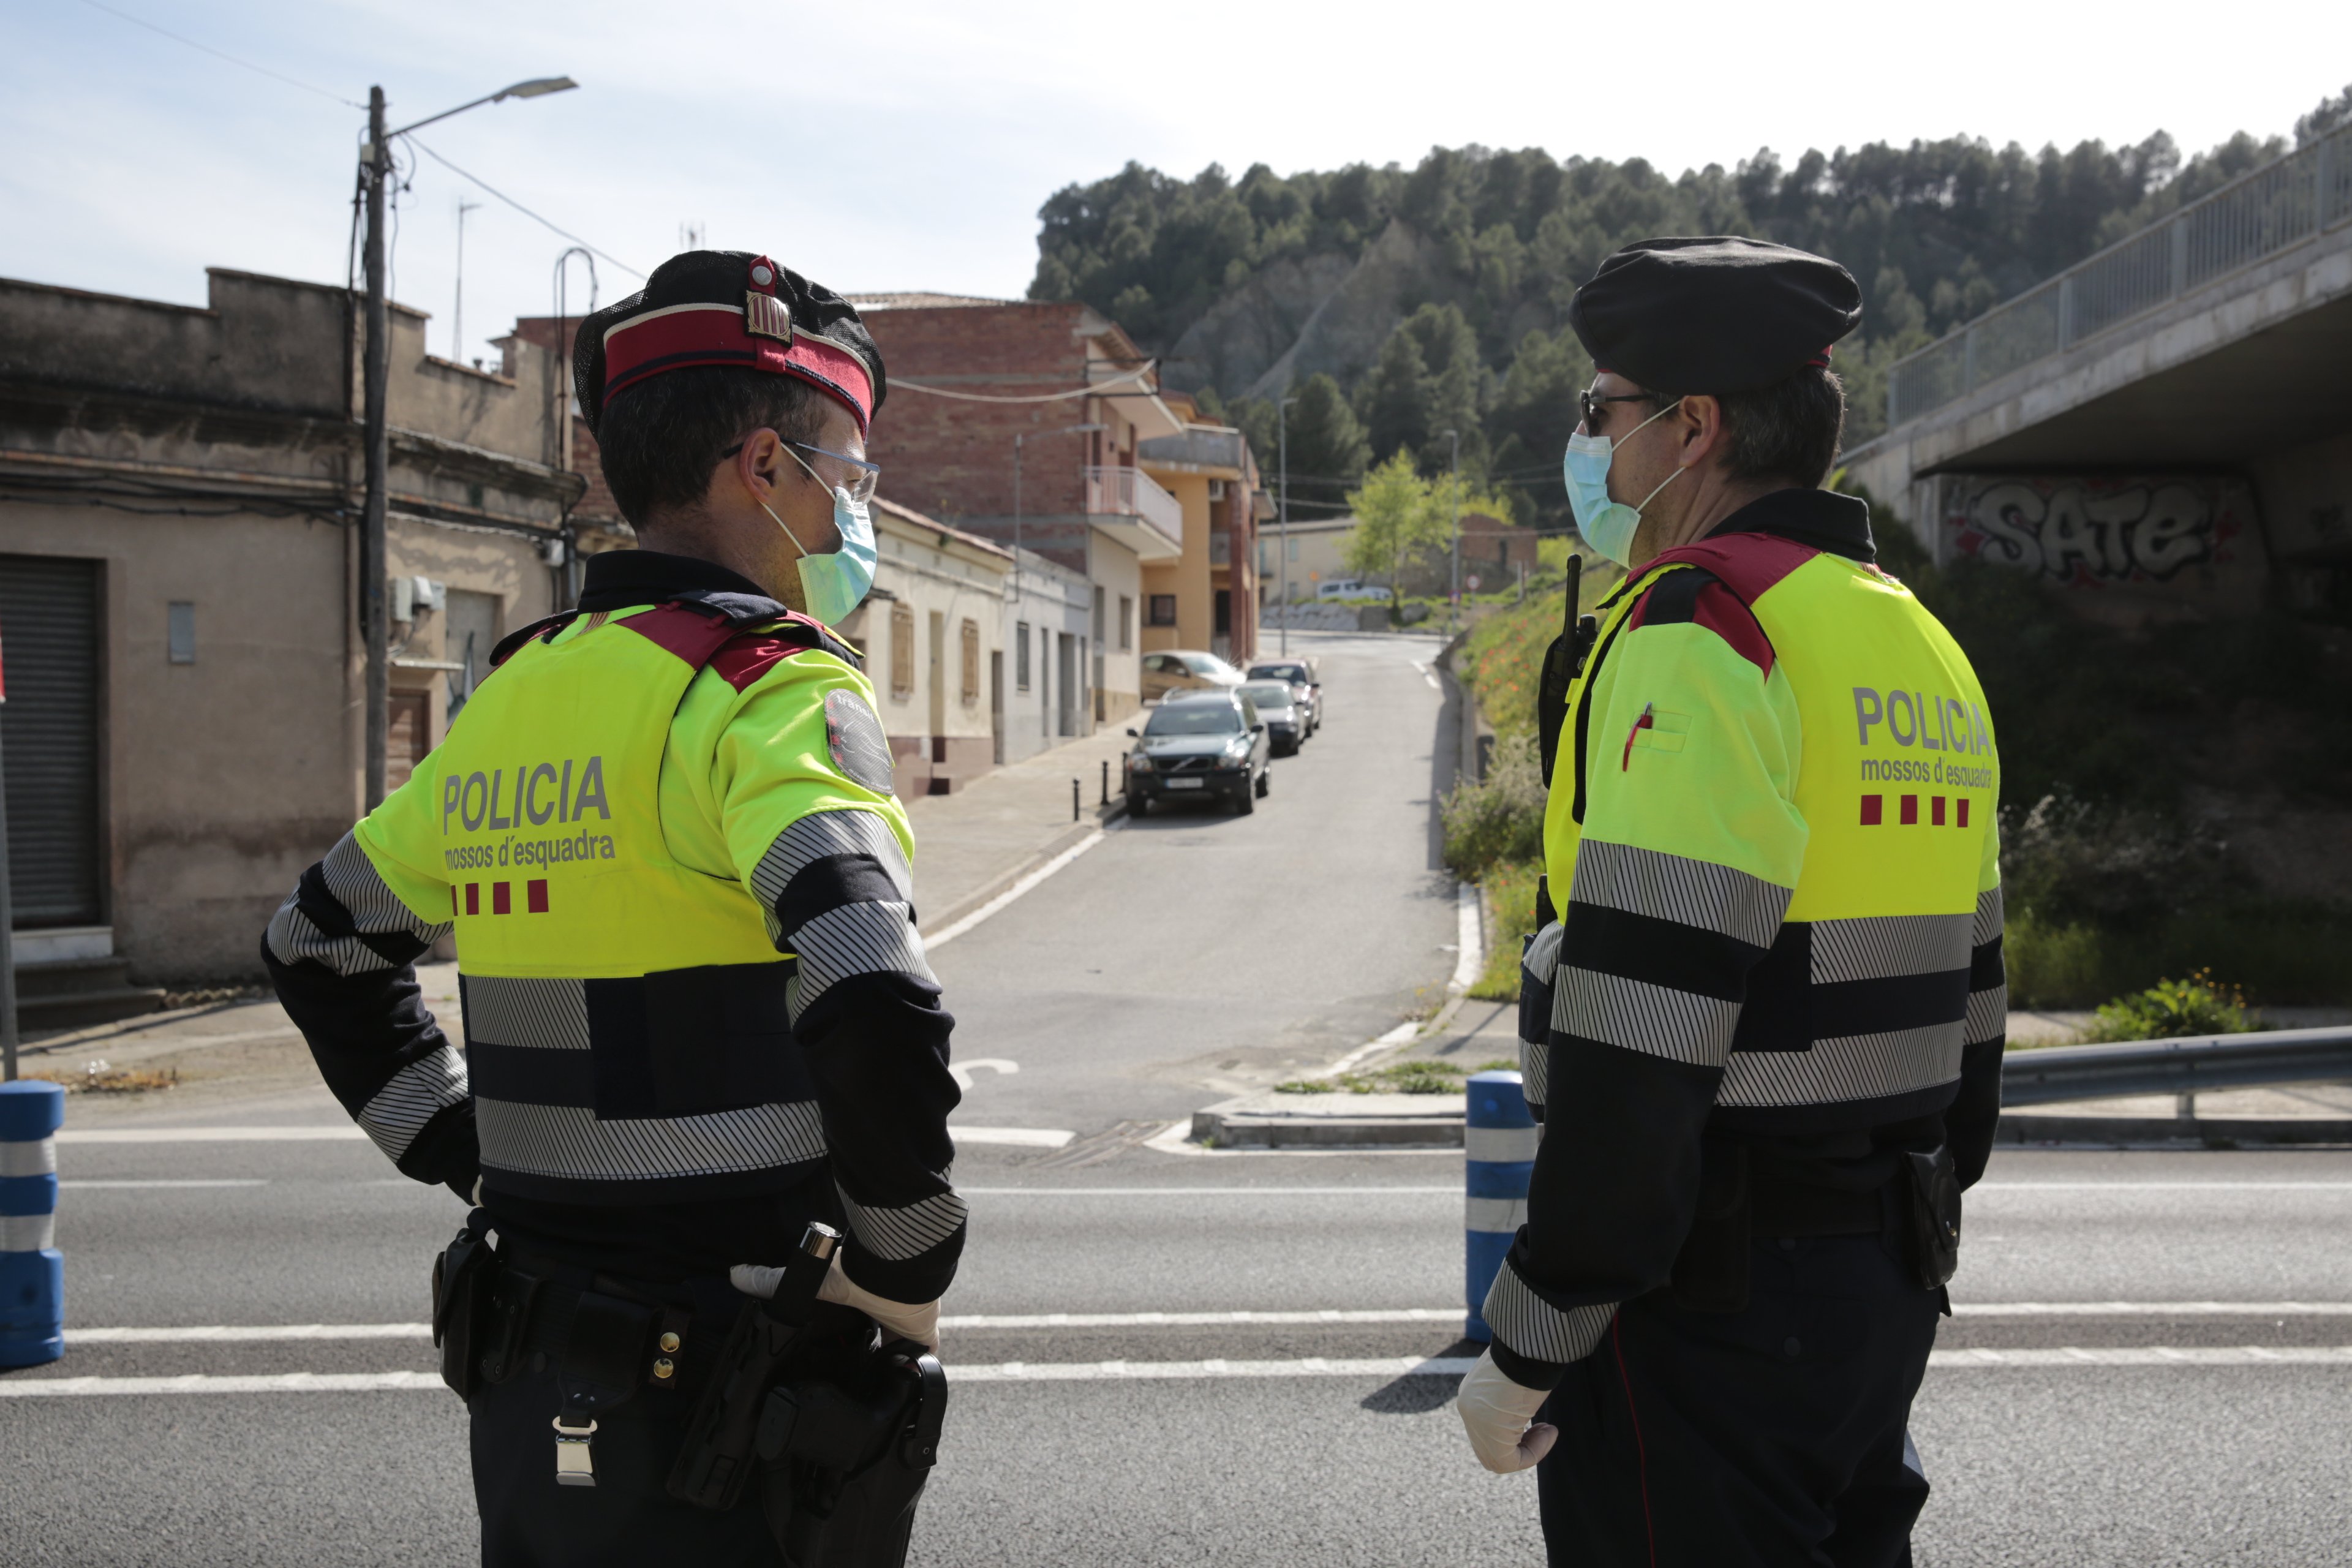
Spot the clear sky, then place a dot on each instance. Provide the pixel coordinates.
(907, 143)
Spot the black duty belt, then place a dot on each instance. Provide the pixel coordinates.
(1792, 1208)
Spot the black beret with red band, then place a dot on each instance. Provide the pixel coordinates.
(1714, 315)
(727, 309)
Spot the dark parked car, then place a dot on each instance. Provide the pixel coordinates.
(1305, 674)
(1283, 711)
(1200, 744)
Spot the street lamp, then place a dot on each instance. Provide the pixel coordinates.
(1454, 498)
(1281, 528)
(375, 167)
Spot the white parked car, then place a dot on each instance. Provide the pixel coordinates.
(1347, 590)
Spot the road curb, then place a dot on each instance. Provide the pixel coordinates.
(996, 885)
(1245, 1123)
(2211, 1131)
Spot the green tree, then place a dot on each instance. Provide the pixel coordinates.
(1399, 515)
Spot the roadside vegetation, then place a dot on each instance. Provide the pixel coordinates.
(1419, 1075)
(2114, 748)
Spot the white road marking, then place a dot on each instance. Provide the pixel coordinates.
(1018, 1137)
(1356, 1191)
(242, 1182)
(1166, 1370)
(2152, 1308)
(240, 1333)
(1470, 923)
(341, 1135)
(933, 941)
(1396, 1036)
(1197, 1319)
(961, 1071)
(2156, 1187)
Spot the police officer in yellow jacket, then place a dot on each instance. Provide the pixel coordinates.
(1771, 1055)
(698, 1014)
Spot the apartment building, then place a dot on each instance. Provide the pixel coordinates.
(1207, 596)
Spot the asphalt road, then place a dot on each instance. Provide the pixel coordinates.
(1068, 1442)
(1196, 950)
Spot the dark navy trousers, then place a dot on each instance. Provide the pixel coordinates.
(1772, 1437)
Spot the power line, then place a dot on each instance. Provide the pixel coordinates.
(522, 209)
(1089, 390)
(223, 54)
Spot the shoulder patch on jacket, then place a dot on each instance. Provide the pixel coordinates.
(1697, 597)
(854, 735)
(1748, 564)
(749, 656)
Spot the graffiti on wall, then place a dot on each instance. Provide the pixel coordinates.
(2097, 533)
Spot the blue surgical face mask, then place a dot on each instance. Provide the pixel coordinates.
(1607, 525)
(836, 582)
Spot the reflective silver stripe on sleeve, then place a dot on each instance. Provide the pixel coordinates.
(1543, 953)
(1534, 1070)
(1988, 917)
(824, 833)
(375, 908)
(1988, 1014)
(855, 939)
(544, 1013)
(1855, 1066)
(573, 1143)
(1538, 1329)
(1882, 947)
(1681, 1025)
(900, 1233)
(416, 1093)
(1676, 887)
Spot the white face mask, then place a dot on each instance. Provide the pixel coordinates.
(1607, 525)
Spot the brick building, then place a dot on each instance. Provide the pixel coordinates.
(1027, 428)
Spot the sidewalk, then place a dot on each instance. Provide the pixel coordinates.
(973, 845)
(246, 1057)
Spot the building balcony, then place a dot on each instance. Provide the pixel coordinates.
(1128, 506)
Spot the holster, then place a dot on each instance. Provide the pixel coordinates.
(1710, 1272)
(462, 1276)
(1935, 1215)
(844, 1459)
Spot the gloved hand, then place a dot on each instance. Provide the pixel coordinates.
(899, 1319)
(1497, 1413)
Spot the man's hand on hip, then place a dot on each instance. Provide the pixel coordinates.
(1497, 1413)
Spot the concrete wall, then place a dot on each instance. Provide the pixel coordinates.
(1118, 576)
(209, 457)
(2128, 550)
(940, 741)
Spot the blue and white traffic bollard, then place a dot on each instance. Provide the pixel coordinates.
(1499, 1137)
(32, 1273)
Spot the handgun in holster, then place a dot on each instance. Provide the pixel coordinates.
(840, 1431)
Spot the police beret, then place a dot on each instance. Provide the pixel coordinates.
(727, 307)
(1713, 314)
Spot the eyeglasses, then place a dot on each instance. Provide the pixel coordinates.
(863, 476)
(1596, 407)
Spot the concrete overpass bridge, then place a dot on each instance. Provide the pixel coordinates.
(2166, 427)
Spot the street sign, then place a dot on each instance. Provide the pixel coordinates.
(1472, 581)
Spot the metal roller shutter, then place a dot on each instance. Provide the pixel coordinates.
(49, 726)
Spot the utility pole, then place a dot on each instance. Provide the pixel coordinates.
(375, 168)
(8, 931)
(457, 316)
(375, 378)
(1281, 528)
(1454, 498)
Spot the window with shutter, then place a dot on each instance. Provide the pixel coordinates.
(970, 652)
(902, 651)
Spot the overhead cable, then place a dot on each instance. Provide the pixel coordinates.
(522, 209)
(223, 54)
(1090, 389)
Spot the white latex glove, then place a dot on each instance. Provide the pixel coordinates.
(898, 1320)
(1497, 1413)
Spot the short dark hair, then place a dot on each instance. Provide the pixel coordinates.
(660, 440)
(1788, 430)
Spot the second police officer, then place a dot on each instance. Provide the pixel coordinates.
(1776, 1008)
(698, 1014)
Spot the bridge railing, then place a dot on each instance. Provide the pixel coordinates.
(2250, 219)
